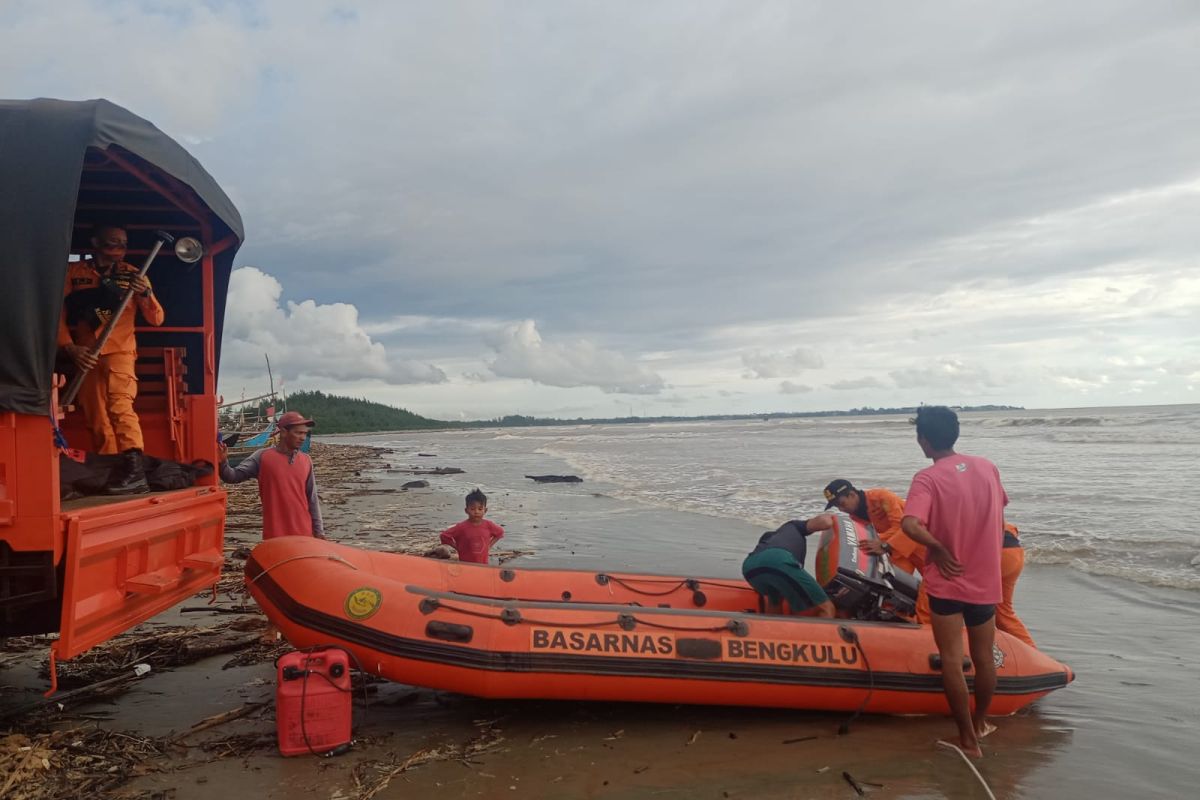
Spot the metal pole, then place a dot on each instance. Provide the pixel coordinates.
(77, 381)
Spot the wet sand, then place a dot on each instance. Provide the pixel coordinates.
(1126, 727)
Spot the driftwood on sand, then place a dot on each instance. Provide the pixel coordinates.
(555, 478)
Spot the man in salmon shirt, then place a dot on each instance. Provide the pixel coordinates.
(955, 508)
(93, 291)
(287, 486)
(883, 509)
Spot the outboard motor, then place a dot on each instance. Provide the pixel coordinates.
(864, 586)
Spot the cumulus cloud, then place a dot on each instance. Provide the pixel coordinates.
(1187, 369)
(522, 353)
(781, 364)
(869, 382)
(787, 387)
(305, 339)
(948, 374)
(712, 190)
(1080, 380)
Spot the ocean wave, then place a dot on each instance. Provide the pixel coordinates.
(1114, 438)
(1169, 559)
(1032, 422)
(1147, 575)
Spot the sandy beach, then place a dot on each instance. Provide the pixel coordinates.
(1119, 730)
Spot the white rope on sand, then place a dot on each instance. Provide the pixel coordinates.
(957, 749)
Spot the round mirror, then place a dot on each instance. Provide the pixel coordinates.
(188, 250)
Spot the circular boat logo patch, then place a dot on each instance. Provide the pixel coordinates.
(997, 656)
(362, 603)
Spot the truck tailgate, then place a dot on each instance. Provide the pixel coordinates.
(127, 561)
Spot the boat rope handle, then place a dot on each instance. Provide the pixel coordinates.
(691, 583)
(621, 582)
(431, 604)
(510, 616)
(738, 627)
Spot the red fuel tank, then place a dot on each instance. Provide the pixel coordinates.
(312, 701)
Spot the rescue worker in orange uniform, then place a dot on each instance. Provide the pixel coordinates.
(93, 291)
(1012, 561)
(882, 509)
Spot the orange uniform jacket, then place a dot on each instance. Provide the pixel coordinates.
(84, 275)
(885, 510)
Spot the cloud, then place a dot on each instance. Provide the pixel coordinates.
(1188, 369)
(787, 387)
(949, 374)
(869, 382)
(305, 339)
(781, 364)
(692, 193)
(522, 353)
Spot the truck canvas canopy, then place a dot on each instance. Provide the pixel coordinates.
(55, 154)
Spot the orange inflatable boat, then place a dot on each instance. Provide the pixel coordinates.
(514, 632)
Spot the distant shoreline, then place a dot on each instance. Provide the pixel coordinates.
(518, 420)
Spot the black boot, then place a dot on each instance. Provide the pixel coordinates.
(131, 478)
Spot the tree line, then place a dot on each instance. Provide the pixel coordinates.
(339, 414)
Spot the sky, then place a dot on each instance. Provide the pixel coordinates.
(612, 208)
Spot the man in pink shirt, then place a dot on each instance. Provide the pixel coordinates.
(956, 509)
(474, 536)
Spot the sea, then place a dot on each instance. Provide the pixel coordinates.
(1097, 490)
(1105, 502)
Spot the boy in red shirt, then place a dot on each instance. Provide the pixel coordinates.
(474, 536)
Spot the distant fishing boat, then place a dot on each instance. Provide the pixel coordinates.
(247, 426)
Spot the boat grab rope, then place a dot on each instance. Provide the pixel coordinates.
(732, 625)
(515, 618)
(627, 622)
(850, 635)
(690, 583)
(624, 584)
(325, 556)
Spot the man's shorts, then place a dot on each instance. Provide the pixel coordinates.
(973, 613)
(775, 574)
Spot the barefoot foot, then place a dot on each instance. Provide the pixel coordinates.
(970, 751)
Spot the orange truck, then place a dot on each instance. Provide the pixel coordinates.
(92, 567)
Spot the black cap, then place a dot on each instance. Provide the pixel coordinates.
(836, 488)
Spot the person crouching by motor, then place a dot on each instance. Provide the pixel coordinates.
(93, 291)
(776, 571)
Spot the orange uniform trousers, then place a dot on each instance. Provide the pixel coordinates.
(912, 563)
(107, 396)
(1012, 561)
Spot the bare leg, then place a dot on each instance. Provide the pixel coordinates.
(947, 632)
(980, 639)
(825, 609)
